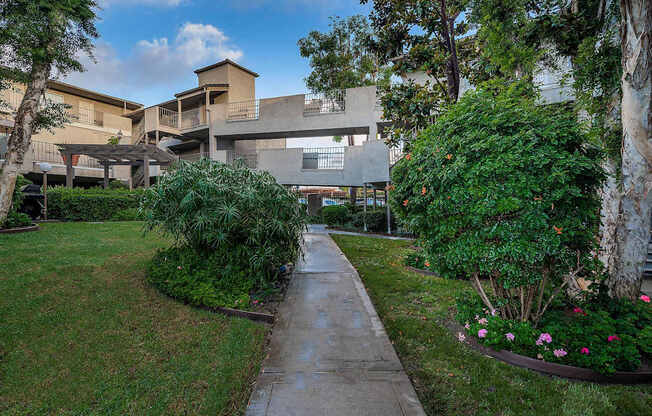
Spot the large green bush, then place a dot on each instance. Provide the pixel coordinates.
(504, 189)
(240, 221)
(336, 215)
(94, 204)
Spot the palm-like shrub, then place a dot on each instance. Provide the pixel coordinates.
(503, 189)
(245, 221)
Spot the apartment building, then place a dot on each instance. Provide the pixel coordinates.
(94, 118)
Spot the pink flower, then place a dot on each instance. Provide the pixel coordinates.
(179, 267)
(579, 310)
(461, 337)
(509, 336)
(255, 302)
(482, 333)
(544, 337)
(559, 353)
(483, 321)
(645, 298)
(585, 351)
(477, 317)
(494, 312)
(611, 338)
(467, 326)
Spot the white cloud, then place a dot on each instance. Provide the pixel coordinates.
(156, 63)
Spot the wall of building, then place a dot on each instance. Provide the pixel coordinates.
(284, 117)
(368, 163)
(219, 75)
(242, 85)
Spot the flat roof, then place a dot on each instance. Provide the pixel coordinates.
(224, 62)
(92, 95)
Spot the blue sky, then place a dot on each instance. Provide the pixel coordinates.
(148, 49)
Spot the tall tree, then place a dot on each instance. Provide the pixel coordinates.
(633, 229)
(340, 58)
(419, 36)
(37, 38)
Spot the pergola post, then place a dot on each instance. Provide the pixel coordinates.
(70, 172)
(375, 199)
(146, 170)
(365, 206)
(389, 214)
(106, 174)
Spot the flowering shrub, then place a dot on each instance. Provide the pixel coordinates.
(605, 338)
(503, 189)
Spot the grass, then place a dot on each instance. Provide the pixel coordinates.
(452, 379)
(83, 333)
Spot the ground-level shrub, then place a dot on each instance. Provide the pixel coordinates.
(17, 219)
(210, 279)
(233, 227)
(14, 217)
(94, 204)
(376, 220)
(605, 337)
(336, 215)
(129, 214)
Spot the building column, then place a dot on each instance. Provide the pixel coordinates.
(70, 172)
(106, 175)
(364, 216)
(146, 170)
(375, 199)
(389, 214)
(373, 132)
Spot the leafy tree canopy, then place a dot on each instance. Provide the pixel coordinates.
(341, 58)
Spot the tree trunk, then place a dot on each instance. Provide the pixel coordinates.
(610, 194)
(633, 230)
(21, 137)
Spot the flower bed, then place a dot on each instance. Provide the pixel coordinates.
(606, 337)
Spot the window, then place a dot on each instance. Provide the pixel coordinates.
(54, 98)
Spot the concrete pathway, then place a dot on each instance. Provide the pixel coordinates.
(322, 229)
(330, 355)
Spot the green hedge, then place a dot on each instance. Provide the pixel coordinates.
(94, 204)
(336, 215)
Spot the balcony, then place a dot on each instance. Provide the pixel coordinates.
(323, 158)
(49, 152)
(249, 159)
(191, 119)
(324, 103)
(244, 110)
(168, 118)
(90, 117)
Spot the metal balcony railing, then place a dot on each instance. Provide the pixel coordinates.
(168, 118)
(49, 152)
(323, 158)
(324, 103)
(244, 110)
(249, 159)
(191, 118)
(90, 117)
(395, 154)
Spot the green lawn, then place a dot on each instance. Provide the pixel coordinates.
(450, 378)
(83, 333)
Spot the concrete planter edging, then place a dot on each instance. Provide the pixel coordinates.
(33, 227)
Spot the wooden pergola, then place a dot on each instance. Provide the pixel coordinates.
(108, 155)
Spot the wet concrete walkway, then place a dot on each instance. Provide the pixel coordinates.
(330, 355)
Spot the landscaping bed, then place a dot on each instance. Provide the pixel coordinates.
(451, 378)
(83, 332)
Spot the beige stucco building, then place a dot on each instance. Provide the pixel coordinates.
(94, 118)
